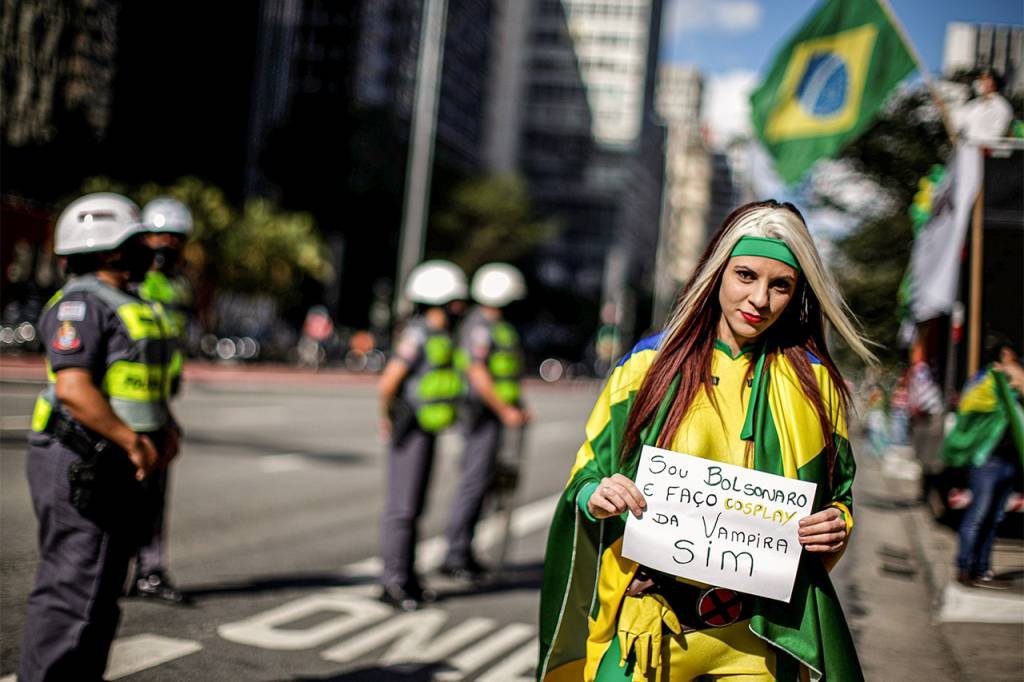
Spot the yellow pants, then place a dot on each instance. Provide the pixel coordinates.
(732, 653)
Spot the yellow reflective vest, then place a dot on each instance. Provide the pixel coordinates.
(136, 382)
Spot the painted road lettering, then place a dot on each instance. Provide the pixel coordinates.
(416, 637)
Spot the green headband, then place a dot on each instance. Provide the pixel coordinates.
(766, 247)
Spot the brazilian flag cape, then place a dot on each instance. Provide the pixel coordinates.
(810, 630)
(987, 408)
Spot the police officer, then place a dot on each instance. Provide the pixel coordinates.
(418, 392)
(169, 224)
(491, 358)
(99, 429)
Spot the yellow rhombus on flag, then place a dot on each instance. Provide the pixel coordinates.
(827, 83)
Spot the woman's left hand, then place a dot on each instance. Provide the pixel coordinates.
(824, 531)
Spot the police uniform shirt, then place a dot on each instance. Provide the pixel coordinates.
(82, 332)
(410, 350)
(475, 340)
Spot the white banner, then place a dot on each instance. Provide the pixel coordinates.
(935, 258)
(717, 523)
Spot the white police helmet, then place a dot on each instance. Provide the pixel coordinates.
(435, 282)
(497, 285)
(166, 214)
(96, 222)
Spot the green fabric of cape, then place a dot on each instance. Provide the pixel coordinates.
(811, 629)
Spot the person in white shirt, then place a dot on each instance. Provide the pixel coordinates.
(988, 115)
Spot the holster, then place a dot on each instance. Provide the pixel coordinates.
(84, 476)
(100, 480)
(403, 420)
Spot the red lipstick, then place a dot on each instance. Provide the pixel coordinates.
(751, 318)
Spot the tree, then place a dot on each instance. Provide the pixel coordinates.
(486, 218)
(257, 250)
(906, 140)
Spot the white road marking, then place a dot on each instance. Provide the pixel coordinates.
(130, 655)
(518, 666)
(418, 636)
(15, 422)
(527, 519)
(494, 646)
(275, 464)
(264, 630)
(558, 429)
(238, 416)
(966, 605)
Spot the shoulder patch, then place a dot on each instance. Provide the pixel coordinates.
(71, 310)
(66, 339)
(409, 344)
(480, 336)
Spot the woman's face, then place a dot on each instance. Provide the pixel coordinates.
(753, 294)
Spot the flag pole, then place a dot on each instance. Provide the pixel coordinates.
(974, 314)
(909, 44)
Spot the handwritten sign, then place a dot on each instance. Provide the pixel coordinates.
(718, 523)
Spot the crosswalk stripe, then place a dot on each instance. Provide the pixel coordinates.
(274, 464)
(130, 655)
(15, 422)
(515, 667)
(526, 519)
(490, 648)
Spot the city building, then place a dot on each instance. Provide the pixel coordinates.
(332, 101)
(687, 193)
(974, 46)
(591, 148)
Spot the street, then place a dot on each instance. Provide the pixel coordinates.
(273, 531)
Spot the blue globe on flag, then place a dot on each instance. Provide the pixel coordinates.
(824, 85)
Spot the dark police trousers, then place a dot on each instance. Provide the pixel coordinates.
(72, 612)
(410, 461)
(482, 440)
(150, 558)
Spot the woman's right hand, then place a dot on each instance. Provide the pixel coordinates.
(613, 496)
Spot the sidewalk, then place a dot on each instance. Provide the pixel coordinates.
(981, 630)
(31, 368)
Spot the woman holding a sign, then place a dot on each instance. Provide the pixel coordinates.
(749, 494)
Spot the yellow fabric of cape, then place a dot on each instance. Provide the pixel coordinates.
(586, 576)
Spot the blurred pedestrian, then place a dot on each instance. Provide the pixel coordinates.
(899, 412)
(99, 429)
(418, 390)
(489, 350)
(988, 115)
(876, 412)
(169, 224)
(741, 375)
(988, 438)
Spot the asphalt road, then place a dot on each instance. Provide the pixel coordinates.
(273, 531)
(275, 504)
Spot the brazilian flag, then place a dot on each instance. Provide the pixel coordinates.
(828, 82)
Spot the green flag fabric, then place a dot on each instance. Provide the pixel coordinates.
(827, 83)
(988, 407)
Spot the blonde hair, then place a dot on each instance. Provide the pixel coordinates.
(776, 221)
